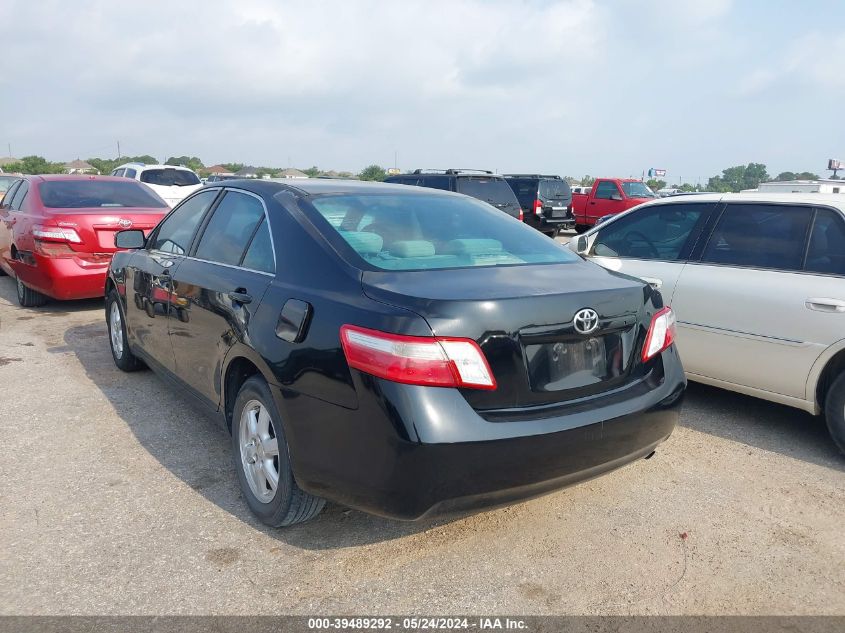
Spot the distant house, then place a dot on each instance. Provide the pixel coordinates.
(80, 167)
(247, 172)
(218, 170)
(291, 173)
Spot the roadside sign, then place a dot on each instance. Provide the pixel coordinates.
(394, 171)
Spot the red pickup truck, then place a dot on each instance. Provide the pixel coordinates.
(608, 196)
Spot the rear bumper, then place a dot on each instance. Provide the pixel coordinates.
(409, 452)
(64, 278)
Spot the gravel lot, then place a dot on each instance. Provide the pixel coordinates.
(117, 497)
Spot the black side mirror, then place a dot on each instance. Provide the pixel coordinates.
(131, 238)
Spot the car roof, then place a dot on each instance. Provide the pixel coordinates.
(144, 166)
(321, 186)
(55, 177)
(829, 199)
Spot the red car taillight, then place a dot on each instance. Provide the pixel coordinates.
(538, 207)
(661, 333)
(417, 360)
(521, 215)
(56, 234)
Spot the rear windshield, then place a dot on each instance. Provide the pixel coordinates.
(169, 177)
(81, 194)
(492, 190)
(6, 182)
(419, 232)
(555, 189)
(637, 190)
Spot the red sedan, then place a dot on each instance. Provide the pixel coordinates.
(57, 232)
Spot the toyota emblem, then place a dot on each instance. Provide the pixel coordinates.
(124, 223)
(586, 321)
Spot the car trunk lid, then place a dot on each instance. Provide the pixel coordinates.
(523, 318)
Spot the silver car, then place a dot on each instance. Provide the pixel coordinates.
(757, 282)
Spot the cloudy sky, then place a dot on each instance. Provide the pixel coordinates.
(601, 87)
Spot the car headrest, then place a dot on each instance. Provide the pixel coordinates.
(363, 243)
(412, 248)
(473, 247)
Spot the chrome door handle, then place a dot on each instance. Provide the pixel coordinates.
(825, 305)
(655, 283)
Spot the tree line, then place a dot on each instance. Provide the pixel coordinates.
(732, 179)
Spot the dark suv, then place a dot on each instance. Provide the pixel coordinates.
(546, 201)
(478, 183)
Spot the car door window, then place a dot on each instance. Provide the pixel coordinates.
(130, 173)
(760, 236)
(259, 253)
(826, 251)
(230, 229)
(118, 172)
(606, 190)
(20, 194)
(665, 232)
(177, 230)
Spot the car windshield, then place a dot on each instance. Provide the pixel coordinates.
(637, 189)
(6, 182)
(419, 232)
(493, 190)
(169, 177)
(81, 194)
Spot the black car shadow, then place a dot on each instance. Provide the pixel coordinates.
(53, 308)
(761, 424)
(175, 421)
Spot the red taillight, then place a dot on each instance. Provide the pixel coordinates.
(538, 207)
(661, 333)
(417, 360)
(56, 234)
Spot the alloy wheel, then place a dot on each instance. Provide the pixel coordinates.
(116, 330)
(259, 451)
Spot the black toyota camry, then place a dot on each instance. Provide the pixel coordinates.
(400, 350)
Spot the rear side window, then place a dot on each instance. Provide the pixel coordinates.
(435, 182)
(492, 190)
(417, 232)
(606, 189)
(525, 190)
(7, 198)
(663, 232)
(86, 194)
(760, 236)
(230, 229)
(259, 254)
(826, 252)
(19, 195)
(130, 173)
(169, 177)
(176, 232)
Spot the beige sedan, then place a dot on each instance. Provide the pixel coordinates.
(757, 282)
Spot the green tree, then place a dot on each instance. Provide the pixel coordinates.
(107, 165)
(191, 162)
(233, 167)
(373, 172)
(587, 181)
(571, 181)
(802, 175)
(312, 171)
(654, 185)
(738, 178)
(35, 165)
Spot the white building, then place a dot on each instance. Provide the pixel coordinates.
(824, 185)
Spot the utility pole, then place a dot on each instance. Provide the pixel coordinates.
(118, 150)
(10, 150)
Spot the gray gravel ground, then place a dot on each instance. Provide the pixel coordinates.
(117, 497)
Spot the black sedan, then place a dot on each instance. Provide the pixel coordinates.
(400, 350)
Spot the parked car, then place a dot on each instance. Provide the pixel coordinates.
(220, 178)
(481, 184)
(57, 232)
(581, 189)
(608, 196)
(172, 183)
(758, 285)
(379, 346)
(545, 201)
(6, 181)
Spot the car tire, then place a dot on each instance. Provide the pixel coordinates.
(834, 411)
(581, 228)
(28, 297)
(118, 342)
(262, 461)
